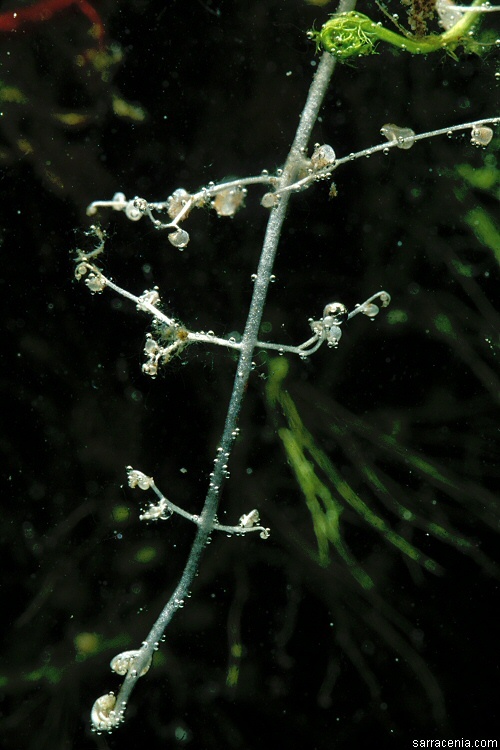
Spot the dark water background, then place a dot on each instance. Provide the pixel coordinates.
(325, 663)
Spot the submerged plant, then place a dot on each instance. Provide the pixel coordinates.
(329, 496)
(352, 34)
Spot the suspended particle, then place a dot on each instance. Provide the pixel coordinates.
(333, 192)
(402, 137)
(481, 136)
(179, 238)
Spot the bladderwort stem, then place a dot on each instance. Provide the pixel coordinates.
(308, 118)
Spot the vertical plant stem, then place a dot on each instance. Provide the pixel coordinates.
(308, 118)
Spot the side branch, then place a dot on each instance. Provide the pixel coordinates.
(164, 509)
(172, 337)
(300, 173)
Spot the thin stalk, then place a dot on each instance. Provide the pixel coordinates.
(248, 343)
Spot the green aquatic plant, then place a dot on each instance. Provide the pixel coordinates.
(352, 34)
(370, 494)
(476, 183)
(329, 495)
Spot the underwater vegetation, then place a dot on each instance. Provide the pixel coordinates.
(368, 611)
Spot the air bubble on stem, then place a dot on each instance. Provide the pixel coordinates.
(335, 312)
(160, 512)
